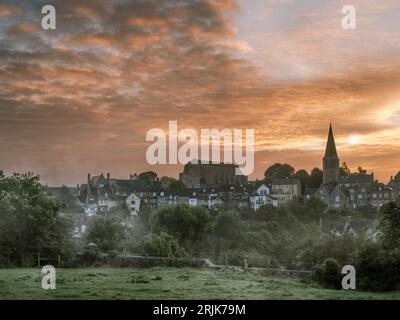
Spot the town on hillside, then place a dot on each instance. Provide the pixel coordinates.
(216, 185)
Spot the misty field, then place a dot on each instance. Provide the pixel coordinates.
(166, 283)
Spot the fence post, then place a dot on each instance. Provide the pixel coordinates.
(312, 272)
(38, 259)
(59, 259)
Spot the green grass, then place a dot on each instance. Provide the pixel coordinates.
(166, 283)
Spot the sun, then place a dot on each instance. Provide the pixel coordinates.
(354, 139)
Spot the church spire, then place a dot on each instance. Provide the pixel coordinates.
(330, 151)
(331, 160)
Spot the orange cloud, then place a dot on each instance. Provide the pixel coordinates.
(9, 10)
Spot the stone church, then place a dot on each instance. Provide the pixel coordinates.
(350, 191)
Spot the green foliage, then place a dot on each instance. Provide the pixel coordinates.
(228, 231)
(313, 252)
(162, 245)
(171, 183)
(148, 176)
(30, 221)
(315, 180)
(188, 225)
(68, 199)
(177, 184)
(390, 226)
(228, 226)
(377, 269)
(344, 170)
(278, 171)
(329, 275)
(367, 211)
(106, 232)
(303, 176)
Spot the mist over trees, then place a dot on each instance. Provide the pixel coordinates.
(289, 236)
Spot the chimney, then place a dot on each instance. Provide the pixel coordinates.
(108, 178)
(130, 177)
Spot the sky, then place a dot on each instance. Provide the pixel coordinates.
(81, 98)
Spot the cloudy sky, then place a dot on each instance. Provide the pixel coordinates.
(81, 98)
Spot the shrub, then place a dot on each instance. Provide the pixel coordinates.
(329, 275)
(378, 269)
(107, 233)
(162, 245)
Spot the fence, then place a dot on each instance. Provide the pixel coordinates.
(42, 261)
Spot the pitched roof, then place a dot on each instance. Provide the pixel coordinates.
(330, 151)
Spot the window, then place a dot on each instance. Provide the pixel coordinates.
(133, 202)
(337, 199)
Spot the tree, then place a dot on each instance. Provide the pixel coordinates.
(171, 183)
(304, 178)
(377, 269)
(344, 170)
(228, 229)
(278, 171)
(316, 176)
(162, 245)
(166, 181)
(189, 225)
(390, 226)
(330, 274)
(107, 233)
(361, 170)
(30, 221)
(148, 176)
(367, 211)
(314, 209)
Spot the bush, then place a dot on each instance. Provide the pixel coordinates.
(91, 254)
(30, 222)
(107, 233)
(378, 269)
(189, 225)
(329, 275)
(162, 245)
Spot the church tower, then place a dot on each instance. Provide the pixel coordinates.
(330, 161)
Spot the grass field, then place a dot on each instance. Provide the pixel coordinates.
(166, 283)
